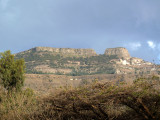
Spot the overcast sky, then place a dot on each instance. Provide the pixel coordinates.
(97, 24)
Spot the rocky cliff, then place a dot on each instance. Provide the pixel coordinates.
(82, 61)
(66, 51)
(120, 52)
(61, 51)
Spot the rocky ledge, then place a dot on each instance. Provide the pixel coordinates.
(67, 51)
(120, 52)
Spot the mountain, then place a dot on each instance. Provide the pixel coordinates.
(120, 52)
(69, 61)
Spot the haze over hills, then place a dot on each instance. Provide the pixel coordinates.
(75, 62)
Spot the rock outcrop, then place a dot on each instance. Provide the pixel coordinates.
(120, 52)
(66, 51)
(75, 62)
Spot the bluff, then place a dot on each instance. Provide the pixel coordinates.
(71, 61)
(62, 51)
(120, 52)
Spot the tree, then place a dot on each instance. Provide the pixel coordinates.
(11, 71)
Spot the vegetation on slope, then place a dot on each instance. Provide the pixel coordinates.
(85, 66)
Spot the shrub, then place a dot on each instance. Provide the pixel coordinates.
(104, 101)
(17, 106)
(11, 71)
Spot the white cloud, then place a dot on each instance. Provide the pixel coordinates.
(151, 44)
(134, 46)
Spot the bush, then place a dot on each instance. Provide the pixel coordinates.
(11, 71)
(104, 101)
(17, 106)
(99, 101)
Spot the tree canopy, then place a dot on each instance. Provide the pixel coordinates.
(11, 71)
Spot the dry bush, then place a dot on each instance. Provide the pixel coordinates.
(99, 101)
(142, 98)
(16, 106)
(72, 104)
(139, 101)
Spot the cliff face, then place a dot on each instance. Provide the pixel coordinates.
(82, 61)
(120, 52)
(67, 51)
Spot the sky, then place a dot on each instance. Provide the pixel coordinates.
(97, 24)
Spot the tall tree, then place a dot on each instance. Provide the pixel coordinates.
(11, 71)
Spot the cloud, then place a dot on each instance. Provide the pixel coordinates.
(134, 46)
(81, 24)
(151, 44)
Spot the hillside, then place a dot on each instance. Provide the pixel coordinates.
(45, 83)
(75, 62)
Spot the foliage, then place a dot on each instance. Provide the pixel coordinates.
(17, 106)
(98, 101)
(87, 65)
(11, 71)
(104, 101)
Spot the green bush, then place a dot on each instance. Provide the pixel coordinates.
(11, 71)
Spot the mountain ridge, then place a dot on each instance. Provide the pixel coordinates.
(70, 61)
(80, 51)
(64, 51)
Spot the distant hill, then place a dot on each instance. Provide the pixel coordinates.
(75, 62)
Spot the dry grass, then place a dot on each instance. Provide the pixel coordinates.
(104, 101)
(17, 105)
(99, 101)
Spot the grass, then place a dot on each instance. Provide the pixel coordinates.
(17, 105)
(98, 101)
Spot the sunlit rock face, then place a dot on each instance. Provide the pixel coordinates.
(67, 51)
(70, 61)
(120, 52)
